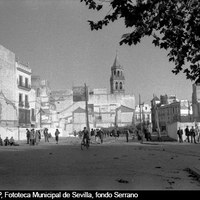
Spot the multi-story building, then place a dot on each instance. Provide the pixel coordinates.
(196, 101)
(143, 114)
(155, 102)
(106, 109)
(171, 110)
(45, 113)
(23, 73)
(15, 90)
(8, 89)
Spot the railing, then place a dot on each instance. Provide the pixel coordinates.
(27, 104)
(24, 86)
(21, 104)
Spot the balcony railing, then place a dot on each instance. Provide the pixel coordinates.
(24, 86)
(27, 104)
(21, 104)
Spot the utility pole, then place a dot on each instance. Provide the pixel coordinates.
(40, 111)
(86, 109)
(156, 116)
(189, 110)
(141, 126)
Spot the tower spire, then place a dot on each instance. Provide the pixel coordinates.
(117, 79)
(116, 61)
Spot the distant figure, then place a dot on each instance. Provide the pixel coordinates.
(141, 135)
(147, 134)
(192, 134)
(180, 133)
(198, 134)
(115, 133)
(187, 133)
(85, 135)
(37, 137)
(92, 132)
(46, 135)
(39, 133)
(75, 133)
(6, 142)
(28, 136)
(57, 135)
(32, 137)
(97, 135)
(12, 141)
(101, 135)
(1, 141)
(127, 135)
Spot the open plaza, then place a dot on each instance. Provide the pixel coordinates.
(114, 164)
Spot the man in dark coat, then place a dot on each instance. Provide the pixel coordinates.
(187, 133)
(180, 133)
(192, 134)
(28, 134)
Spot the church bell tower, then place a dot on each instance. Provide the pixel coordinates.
(117, 80)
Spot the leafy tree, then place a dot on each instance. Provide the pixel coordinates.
(173, 24)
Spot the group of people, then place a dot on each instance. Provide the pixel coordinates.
(34, 136)
(100, 133)
(84, 134)
(192, 134)
(8, 142)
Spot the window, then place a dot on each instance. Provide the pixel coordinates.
(117, 73)
(20, 97)
(114, 72)
(20, 80)
(32, 114)
(38, 92)
(26, 98)
(26, 82)
(116, 85)
(120, 86)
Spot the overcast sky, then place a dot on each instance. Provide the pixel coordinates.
(53, 36)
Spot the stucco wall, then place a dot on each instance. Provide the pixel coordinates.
(8, 82)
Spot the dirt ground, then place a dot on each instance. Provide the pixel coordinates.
(113, 165)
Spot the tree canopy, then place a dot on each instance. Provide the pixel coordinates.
(173, 24)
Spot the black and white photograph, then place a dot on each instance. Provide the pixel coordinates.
(99, 98)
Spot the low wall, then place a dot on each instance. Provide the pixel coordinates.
(17, 134)
(172, 129)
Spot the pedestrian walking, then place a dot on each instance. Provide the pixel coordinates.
(180, 135)
(187, 133)
(92, 132)
(28, 133)
(46, 135)
(39, 133)
(32, 137)
(37, 137)
(57, 135)
(127, 135)
(101, 135)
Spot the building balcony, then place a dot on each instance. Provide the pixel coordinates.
(21, 104)
(24, 87)
(27, 104)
